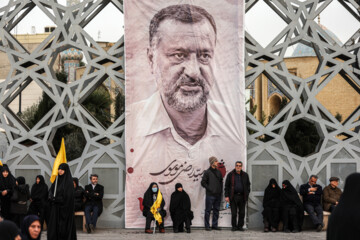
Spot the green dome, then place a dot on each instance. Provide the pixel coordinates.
(303, 50)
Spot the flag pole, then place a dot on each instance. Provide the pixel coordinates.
(154, 227)
(56, 181)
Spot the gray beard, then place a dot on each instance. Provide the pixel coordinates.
(189, 103)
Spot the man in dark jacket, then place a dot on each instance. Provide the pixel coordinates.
(331, 194)
(311, 193)
(94, 193)
(237, 190)
(212, 181)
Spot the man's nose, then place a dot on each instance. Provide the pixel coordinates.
(192, 66)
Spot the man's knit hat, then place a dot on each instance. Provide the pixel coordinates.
(212, 160)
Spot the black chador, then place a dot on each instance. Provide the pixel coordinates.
(292, 210)
(344, 220)
(7, 184)
(39, 197)
(180, 209)
(271, 204)
(61, 223)
(149, 199)
(79, 196)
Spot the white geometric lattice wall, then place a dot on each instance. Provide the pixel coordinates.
(270, 159)
(37, 66)
(273, 158)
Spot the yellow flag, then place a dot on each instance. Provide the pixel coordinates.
(60, 158)
(155, 207)
(0, 163)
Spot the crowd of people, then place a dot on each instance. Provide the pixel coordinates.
(283, 203)
(237, 190)
(56, 206)
(24, 212)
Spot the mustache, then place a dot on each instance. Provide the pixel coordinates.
(187, 81)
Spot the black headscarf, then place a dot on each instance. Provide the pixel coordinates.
(20, 180)
(272, 195)
(65, 186)
(149, 199)
(22, 187)
(39, 191)
(78, 195)
(8, 230)
(62, 223)
(289, 195)
(344, 219)
(180, 201)
(180, 205)
(9, 182)
(28, 220)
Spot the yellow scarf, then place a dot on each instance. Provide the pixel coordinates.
(155, 207)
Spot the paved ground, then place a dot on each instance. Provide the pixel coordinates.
(197, 234)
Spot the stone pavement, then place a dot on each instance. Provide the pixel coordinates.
(197, 234)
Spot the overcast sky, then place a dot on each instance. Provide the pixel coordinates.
(106, 26)
(261, 22)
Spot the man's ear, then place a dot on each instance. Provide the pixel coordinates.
(150, 56)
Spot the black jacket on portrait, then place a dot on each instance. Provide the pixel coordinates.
(229, 184)
(92, 198)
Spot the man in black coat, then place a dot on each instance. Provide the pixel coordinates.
(237, 190)
(311, 193)
(94, 193)
(212, 181)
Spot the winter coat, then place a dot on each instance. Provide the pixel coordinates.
(229, 184)
(212, 181)
(330, 196)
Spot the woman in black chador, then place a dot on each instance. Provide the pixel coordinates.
(149, 199)
(292, 210)
(7, 184)
(344, 219)
(271, 204)
(79, 195)
(19, 198)
(180, 209)
(38, 198)
(61, 224)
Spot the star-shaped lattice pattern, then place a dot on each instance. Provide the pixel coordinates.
(38, 66)
(273, 157)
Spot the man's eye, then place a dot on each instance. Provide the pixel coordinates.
(179, 56)
(205, 57)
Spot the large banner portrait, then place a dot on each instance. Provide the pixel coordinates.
(185, 99)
